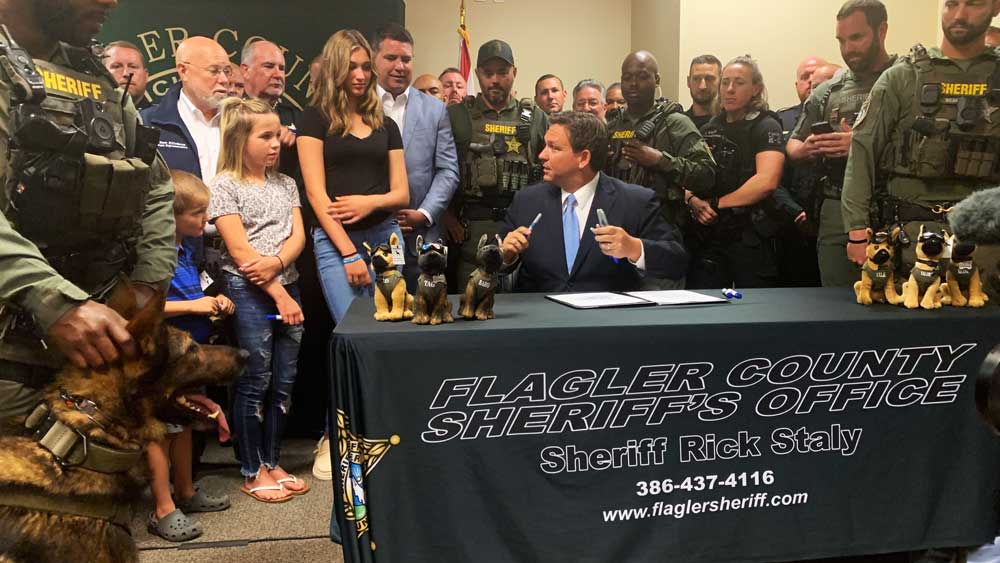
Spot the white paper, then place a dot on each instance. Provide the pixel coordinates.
(597, 300)
(676, 297)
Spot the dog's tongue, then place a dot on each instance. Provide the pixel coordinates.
(214, 413)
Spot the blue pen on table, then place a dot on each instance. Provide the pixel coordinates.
(602, 221)
(538, 218)
(730, 293)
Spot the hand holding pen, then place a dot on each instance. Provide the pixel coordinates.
(516, 241)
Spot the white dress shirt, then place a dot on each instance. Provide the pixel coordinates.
(584, 199)
(206, 135)
(395, 108)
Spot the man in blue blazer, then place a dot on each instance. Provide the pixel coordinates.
(428, 144)
(566, 250)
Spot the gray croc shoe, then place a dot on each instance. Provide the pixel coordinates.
(174, 527)
(202, 502)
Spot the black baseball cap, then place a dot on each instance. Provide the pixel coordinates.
(495, 49)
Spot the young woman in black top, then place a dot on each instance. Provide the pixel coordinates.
(733, 242)
(352, 163)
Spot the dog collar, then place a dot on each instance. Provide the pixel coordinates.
(931, 263)
(72, 448)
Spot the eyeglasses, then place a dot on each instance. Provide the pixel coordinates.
(215, 71)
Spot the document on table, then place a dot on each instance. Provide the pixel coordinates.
(599, 300)
(676, 297)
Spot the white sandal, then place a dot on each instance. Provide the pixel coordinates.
(293, 479)
(251, 492)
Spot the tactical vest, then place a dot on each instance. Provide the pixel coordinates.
(736, 162)
(843, 100)
(955, 129)
(78, 170)
(496, 159)
(645, 131)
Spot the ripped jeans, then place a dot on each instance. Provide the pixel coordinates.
(264, 390)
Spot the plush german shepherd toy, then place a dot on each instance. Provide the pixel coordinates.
(431, 305)
(963, 282)
(923, 289)
(877, 283)
(392, 302)
(477, 301)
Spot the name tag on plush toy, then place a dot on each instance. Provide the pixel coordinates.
(206, 280)
(398, 258)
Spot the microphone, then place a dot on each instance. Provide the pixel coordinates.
(977, 218)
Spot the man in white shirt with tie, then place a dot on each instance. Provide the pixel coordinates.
(567, 249)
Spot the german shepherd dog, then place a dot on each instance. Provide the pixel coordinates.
(124, 403)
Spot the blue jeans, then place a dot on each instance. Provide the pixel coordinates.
(264, 390)
(332, 277)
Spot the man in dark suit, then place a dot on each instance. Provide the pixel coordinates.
(566, 250)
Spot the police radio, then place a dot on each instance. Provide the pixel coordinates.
(28, 85)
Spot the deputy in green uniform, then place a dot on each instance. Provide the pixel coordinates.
(861, 30)
(930, 126)
(85, 200)
(498, 140)
(655, 145)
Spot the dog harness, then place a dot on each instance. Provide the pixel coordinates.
(72, 448)
(386, 282)
(962, 272)
(926, 278)
(879, 275)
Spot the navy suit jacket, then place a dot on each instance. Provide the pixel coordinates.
(176, 143)
(431, 159)
(633, 208)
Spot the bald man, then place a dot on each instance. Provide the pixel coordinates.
(803, 86)
(430, 85)
(993, 36)
(673, 157)
(822, 74)
(188, 114)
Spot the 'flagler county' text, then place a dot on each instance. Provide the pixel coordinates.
(585, 400)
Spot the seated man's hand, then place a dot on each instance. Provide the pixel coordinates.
(615, 242)
(515, 243)
(92, 335)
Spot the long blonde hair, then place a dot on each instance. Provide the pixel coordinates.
(329, 94)
(236, 124)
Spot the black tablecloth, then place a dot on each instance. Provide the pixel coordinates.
(792, 424)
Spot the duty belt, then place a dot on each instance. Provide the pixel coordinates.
(830, 189)
(906, 212)
(476, 212)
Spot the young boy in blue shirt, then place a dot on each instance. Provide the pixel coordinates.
(188, 308)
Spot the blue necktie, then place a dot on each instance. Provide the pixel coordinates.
(571, 232)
